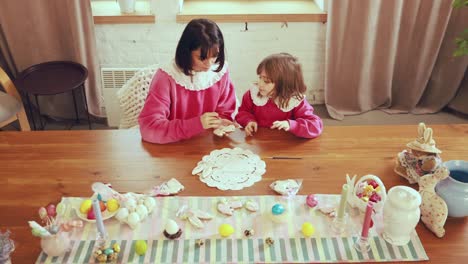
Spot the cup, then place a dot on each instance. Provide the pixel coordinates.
(57, 244)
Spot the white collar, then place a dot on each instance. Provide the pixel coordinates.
(261, 101)
(199, 81)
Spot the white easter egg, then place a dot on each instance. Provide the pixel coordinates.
(150, 203)
(122, 214)
(142, 211)
(133, 220)
(171, 227)
(131, 204)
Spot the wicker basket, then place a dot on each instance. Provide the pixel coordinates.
(355, 201)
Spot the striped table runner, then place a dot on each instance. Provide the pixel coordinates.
(289, 246)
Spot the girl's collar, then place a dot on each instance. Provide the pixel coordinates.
(261, 101)
(199, 81)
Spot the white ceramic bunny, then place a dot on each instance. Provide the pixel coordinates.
(433, 208)
(422, 157)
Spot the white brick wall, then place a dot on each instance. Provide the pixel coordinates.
(136, 45)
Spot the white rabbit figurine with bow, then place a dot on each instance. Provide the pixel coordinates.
(422, 157)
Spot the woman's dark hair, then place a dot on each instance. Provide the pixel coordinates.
(199, 33)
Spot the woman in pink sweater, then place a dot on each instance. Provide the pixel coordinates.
(194, 92)
(278, 100)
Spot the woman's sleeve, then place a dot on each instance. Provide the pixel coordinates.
(154, 124)
(227, 100)
(306, 123)
(244, 116)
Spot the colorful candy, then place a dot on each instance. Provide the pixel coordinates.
(368, 191)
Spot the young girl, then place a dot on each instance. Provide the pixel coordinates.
(278, 102)
(194, 92)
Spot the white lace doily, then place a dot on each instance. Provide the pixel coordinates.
(230, 169)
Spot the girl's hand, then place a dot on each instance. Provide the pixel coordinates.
(281, 125)
(250, 128)
(210, 120)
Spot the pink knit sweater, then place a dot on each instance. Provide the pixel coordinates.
(302, 121)
(172, 112)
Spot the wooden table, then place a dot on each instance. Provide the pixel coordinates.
(42, 166)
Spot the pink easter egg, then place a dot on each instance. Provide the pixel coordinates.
(51, 210)
(311, 200)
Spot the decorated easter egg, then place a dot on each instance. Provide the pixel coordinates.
(112, 205)
(308, 229)
(60, 209)
(226, 230)
(277, 209)
(91, 215)
(116, 247)
(141, 247)
(85, 206)
(102, 206)
(108, 251)
(311, 200)
(51, 210)
(171, 227)
(42, 213)
(122, 214)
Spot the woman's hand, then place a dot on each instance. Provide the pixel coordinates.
(281, 125)
(210, 120)
(250, 128)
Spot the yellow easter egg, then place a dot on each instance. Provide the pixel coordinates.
(112, 205)
(85, 206)
(116, 247)
(226, 230)
(308, 229)
(141, 247)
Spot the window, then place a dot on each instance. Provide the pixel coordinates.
(253, 10)
(109, 12)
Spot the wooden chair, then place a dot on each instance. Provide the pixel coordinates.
(11, 106)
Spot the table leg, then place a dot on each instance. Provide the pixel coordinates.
(39, 111)
(76, 108)
(86, 105)
(30, 110)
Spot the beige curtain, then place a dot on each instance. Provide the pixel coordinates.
(48, 30)
(393, 55)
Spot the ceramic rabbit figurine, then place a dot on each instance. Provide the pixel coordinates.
(422, 157)
(433, 208)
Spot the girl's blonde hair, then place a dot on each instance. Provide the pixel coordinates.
(285, 71)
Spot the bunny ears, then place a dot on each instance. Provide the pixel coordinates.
(424, 142)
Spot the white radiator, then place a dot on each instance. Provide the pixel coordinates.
(112, 80)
